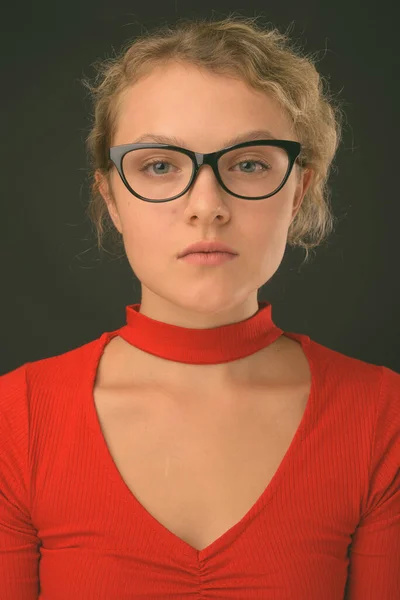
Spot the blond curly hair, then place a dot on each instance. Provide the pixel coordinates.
(267, 60)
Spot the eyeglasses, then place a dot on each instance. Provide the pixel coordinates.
(268, 164)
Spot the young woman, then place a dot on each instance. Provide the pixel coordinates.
(199, 451)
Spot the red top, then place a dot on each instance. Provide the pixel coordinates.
(326, 527)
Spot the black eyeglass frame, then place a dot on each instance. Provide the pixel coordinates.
(117, 153)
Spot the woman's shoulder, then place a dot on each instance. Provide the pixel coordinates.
(63, 369)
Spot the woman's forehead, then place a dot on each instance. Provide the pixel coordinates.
(186, 112)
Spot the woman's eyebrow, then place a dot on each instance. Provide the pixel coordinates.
(175, 141)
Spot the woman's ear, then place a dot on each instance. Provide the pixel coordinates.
(301, 189)
(107, 195)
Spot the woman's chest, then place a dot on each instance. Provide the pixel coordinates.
(198, 465)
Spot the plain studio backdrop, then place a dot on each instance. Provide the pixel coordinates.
(58, 292)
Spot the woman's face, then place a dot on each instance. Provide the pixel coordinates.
(203, 110)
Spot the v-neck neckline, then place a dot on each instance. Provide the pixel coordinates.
(127, 497)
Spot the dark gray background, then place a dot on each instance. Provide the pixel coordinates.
(58, 293)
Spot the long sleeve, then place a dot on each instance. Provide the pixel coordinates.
(19, 544)
(374, 570)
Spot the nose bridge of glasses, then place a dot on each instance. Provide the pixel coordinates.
(209, 158)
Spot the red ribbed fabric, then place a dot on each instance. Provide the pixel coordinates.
(200, 346)
(327, 527)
